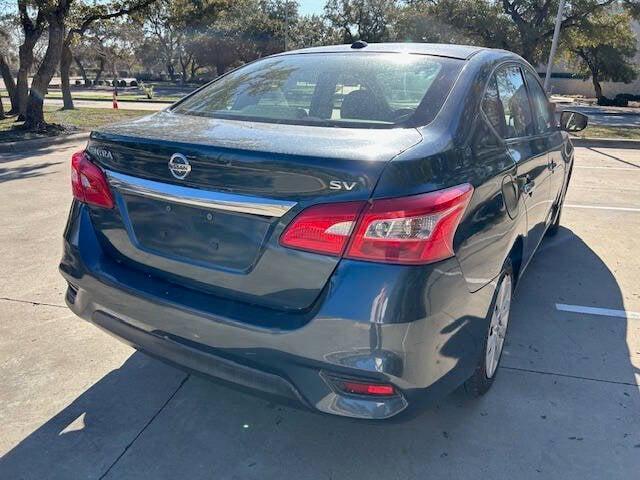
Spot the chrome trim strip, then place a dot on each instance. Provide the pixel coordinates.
(198, 198)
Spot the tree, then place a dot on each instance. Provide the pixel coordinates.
(32, 28)
(55, 14)
(366, 20)
(82, 17)
(174, 24)
(244, 31)
(523, 26)
(425, 21)
(311, 31)
(603, 48)
(5, 68)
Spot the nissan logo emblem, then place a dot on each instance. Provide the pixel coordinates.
(179, 166)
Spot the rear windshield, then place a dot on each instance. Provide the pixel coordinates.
(332, 89)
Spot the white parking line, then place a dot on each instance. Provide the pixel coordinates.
(607, 312)
(629, 169)
(602, 207)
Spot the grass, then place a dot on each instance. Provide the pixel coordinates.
(122, 97)
(602, 131)
(107, 95)
(80, 119)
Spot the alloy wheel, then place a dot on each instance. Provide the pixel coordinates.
(498, 326)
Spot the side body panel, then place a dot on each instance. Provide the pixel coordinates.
(532, 160)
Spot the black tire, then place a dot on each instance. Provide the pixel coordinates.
(479, 383)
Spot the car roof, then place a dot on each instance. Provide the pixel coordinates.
(462, 52)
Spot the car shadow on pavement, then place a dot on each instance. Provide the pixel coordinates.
(613, 157)
(563, 405)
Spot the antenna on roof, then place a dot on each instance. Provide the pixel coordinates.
(359, 44)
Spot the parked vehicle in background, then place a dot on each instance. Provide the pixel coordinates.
(343, 226)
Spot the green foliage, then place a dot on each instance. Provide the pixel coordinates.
(367, 20)
(522, 26)
(312, 31)
(603, 48)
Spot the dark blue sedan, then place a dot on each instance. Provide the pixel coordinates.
(340, 226)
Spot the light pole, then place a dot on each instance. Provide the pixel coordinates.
(554, 45)
(286, 22)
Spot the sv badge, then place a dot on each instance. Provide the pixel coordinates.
(338, 185)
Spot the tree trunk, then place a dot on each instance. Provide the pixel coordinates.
(596, 85)
(83, 72)
(100, 70)
(10, 85)
(1, 108)
(183, 67)
(34, 116)
(171, 71)
(194, 71)
(66, 58)
(25, 55)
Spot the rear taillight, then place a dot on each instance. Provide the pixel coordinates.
(88, 182)
(323, 228)
(409, 230)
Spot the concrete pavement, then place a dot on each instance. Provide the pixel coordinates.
(76, 403)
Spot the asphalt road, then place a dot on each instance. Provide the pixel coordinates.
(608, 116)
(76, 403)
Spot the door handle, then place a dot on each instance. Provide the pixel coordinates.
(552, 165)
(528, 186)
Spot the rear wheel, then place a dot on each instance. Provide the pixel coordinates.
(485, 372)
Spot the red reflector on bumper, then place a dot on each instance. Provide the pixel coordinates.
(374, 389)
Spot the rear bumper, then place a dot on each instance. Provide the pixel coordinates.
(417, 328)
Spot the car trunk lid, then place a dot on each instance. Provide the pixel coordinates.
(217, 227)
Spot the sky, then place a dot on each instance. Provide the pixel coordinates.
(311, 6)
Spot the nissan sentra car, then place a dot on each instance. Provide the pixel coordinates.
(340, 226)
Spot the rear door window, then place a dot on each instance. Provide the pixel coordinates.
(506, 104)
(541, 106)
(493, 109)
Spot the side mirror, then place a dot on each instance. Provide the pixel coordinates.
(573, 121)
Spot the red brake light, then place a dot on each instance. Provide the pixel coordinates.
(322, 228)
(410, 230)
(413, 230)
(88, 182)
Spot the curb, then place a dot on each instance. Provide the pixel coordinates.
(605, 142)
(12, 147)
